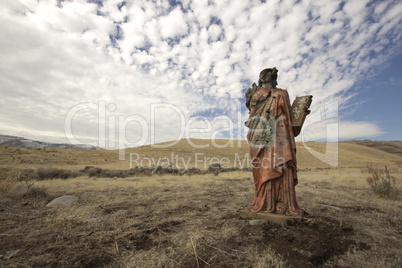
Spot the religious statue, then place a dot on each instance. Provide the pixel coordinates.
(271, 138)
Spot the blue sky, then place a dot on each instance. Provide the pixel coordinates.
(140, 72)
(380, 96)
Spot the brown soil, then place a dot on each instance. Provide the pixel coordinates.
(75, 243)
(181, 221)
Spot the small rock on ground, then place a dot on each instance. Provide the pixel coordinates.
(63, 201)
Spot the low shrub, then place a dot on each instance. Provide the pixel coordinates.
(382, 183)
(92, 171)
(55, 173)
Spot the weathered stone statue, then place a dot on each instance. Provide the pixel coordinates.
(272, 146)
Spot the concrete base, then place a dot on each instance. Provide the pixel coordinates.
(272, 217)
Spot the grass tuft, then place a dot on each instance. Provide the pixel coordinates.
(382, 183)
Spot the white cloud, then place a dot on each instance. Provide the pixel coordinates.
(214, 32)
(352, 130)
(202, 11)
(143, 52)
(333, 130)
(174, 24)
(356, 12)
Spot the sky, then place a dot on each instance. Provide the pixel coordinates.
(111, 73)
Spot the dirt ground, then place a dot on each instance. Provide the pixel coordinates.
(192, 221)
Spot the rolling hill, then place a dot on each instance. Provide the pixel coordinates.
(200, 153)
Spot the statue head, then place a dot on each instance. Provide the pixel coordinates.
(268, 76)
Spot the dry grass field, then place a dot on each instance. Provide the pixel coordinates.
(191, 220)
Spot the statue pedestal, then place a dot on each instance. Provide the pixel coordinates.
(272, 217)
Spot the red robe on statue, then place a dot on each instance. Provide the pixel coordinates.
(272, 150)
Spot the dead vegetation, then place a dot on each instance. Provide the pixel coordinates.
(382, 183)
(168, 220)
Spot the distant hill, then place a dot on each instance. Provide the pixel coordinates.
(15, 141)
(194, 153)
(393, 147)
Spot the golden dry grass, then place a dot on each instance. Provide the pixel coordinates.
(191, 221)
(182, 152)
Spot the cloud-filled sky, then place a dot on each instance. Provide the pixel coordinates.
(152, 71)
